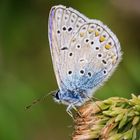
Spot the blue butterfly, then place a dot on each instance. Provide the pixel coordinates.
(85, 53)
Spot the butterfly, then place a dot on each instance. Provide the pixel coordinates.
(85, 53)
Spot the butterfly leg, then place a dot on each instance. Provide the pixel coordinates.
(68, 110)
(71, 106)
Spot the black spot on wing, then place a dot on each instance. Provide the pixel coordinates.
(64, 48)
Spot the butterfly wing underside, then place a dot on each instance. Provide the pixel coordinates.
(84, 52)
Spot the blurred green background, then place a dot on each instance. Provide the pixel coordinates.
(26, 71)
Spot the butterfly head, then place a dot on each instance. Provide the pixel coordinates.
(56, 96)
(63, 97)
(68, 97)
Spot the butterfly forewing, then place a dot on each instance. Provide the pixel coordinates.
(63, 24)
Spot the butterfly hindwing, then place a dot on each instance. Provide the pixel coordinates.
(93, 55)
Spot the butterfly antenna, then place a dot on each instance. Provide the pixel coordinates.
(39, 100)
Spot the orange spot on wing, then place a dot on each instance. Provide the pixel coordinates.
(102, 39)
(107, 46)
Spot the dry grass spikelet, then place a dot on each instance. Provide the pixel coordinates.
(112, 119)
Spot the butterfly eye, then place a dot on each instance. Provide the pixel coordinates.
(57, 96)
